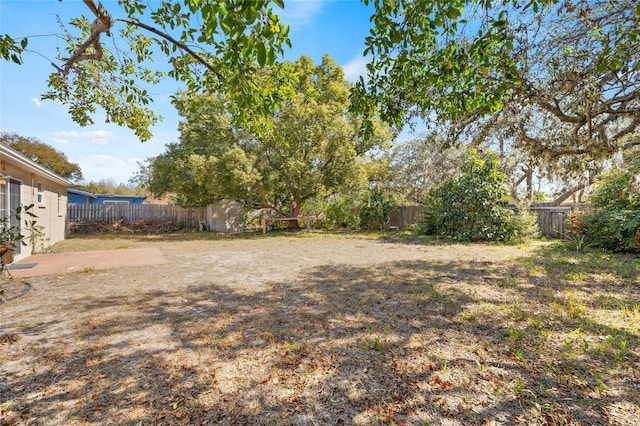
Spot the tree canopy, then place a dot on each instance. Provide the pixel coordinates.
(308, 147)
(210, 45)
(465, 57)
(43, 154)
(449, 58)
(555, 83)
(574, 107)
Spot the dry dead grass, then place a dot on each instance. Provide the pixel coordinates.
(327, 329)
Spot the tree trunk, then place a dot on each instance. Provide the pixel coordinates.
(294, 211)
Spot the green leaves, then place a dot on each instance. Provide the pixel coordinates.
(225, 52)
(307, 148)
(11, 50)
(262, 54)
(472, 206)
(433, 57)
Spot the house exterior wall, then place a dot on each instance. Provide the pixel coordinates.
(49, 198)
(124, 199)
(78, 198)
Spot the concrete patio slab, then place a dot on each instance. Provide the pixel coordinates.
(57, 263)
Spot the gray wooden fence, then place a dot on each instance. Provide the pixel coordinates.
(550, 218)
(405, 216)
(183, 218)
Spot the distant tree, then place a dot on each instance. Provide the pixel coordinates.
(422, 163)
(43, 154)
(309, 147)
(109, 186)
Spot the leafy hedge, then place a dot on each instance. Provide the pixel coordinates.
(473, 206)
(614, 222)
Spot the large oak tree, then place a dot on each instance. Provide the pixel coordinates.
(310, 146)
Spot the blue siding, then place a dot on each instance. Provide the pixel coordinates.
(81, 197)
(75, 198)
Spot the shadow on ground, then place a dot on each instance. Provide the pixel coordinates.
(405, 342)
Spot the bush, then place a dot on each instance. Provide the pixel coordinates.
(335, 212)
(615, 230)
(521, 226)
(473, 206)
(617, 190)
(375, 214)
(614, 222)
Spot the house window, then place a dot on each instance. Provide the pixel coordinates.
(59, 204)
(115, 202)
(40, 193)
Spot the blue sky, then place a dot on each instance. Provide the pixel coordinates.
(106, 151)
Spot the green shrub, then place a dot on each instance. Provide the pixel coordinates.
(473, 206)
(615, 230)
(375, 214)
(521, 226)
(617, 190)
(335, 212)
(614, 222)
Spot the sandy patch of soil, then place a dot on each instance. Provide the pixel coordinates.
(303, 330)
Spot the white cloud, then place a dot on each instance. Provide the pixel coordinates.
(104, 167)
(36, 102)
(66, 134)
(95, 137)
(355, 68)
(298, 13)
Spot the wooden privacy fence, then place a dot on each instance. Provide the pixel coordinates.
(84, 217)
(405, 216)
(550, 218)
(81, 217)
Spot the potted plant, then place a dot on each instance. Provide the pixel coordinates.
(11, 234)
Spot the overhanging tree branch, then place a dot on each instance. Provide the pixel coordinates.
(178, 43)
(103, 24)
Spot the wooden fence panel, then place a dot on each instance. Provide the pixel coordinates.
(405, 216)
(106, 214)
(550, 220)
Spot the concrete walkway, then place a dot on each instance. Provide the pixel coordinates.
(57, 263)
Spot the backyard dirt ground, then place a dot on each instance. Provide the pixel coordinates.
(316, 329)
